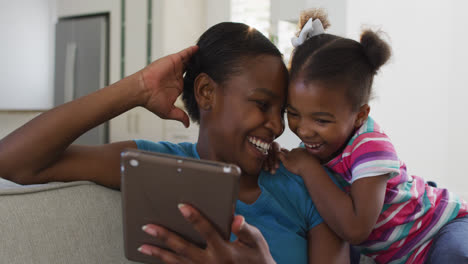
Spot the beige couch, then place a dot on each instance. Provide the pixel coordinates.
(77, 222)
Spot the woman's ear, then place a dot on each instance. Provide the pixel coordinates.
(362, 115)
(204, 89)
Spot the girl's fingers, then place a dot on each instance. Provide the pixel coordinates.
(172, 241)
(275, 146)
(282, 157)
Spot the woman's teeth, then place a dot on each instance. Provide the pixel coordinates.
(260, 145)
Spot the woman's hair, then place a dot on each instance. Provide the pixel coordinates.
(223, 49)
(332, 58)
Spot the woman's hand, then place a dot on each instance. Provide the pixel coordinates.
(250, 246)
(162, 82)
(298, 161)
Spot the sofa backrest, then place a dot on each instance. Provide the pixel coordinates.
(77, 222)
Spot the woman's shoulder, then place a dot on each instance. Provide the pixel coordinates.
(289, 177)
(288, 191)
(185, 149)
(288, 186)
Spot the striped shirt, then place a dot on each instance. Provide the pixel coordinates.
(413, 212)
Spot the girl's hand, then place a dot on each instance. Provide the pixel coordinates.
(250, 246)
(298, 160)
(162, 82)
(271, 164)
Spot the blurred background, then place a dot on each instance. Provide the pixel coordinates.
(55, 50)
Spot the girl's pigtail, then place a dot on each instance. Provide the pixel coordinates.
(375, 48)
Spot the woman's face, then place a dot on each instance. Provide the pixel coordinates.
(248, 113)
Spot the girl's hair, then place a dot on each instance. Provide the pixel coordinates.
(332, 58)
(223, 49)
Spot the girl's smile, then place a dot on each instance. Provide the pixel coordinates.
(321, 116)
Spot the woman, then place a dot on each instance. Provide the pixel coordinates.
(235, 87)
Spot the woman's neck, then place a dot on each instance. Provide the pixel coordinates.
(249, 190)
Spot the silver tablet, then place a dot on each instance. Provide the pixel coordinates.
(153, 184)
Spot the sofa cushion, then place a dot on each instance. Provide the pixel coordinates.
(77, 222)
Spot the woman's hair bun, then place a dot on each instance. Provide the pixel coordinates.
(376, 49)
(314, 13)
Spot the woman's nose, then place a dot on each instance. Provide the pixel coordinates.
(276, 124)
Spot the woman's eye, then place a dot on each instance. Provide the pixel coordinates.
(263, 105)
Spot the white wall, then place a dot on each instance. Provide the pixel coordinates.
(420, 94)
(457, 117)
(217, 11)
(26, 27)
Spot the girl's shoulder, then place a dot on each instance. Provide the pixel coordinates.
(369, 131)
(370, 126)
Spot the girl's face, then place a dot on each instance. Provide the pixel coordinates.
(321, 116)
(247, 114)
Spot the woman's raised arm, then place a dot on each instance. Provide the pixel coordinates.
(40, 150)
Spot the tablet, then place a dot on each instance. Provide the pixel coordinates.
(153, 184)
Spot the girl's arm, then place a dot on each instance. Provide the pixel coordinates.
(325, 246)
(40, 150)
(352, 216)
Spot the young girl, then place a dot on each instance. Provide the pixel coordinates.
(393, 217)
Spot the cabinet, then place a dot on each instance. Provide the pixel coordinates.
(166, 38)
(140, 123)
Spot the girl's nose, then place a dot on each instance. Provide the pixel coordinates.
(304, 132)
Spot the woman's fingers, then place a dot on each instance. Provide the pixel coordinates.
(184, 56)
(187, 53)
(202, 225)
(172, 241)
(247, 234)
(164, 255)
(179, 115)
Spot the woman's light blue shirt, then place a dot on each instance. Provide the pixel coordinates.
(283, 212)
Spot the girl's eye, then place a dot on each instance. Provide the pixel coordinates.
(322, 121)
(290, 113)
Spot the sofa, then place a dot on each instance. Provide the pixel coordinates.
(75, 222)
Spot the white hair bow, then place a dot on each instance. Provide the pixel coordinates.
(310, 29)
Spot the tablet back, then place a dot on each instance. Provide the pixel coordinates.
(154, 184)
